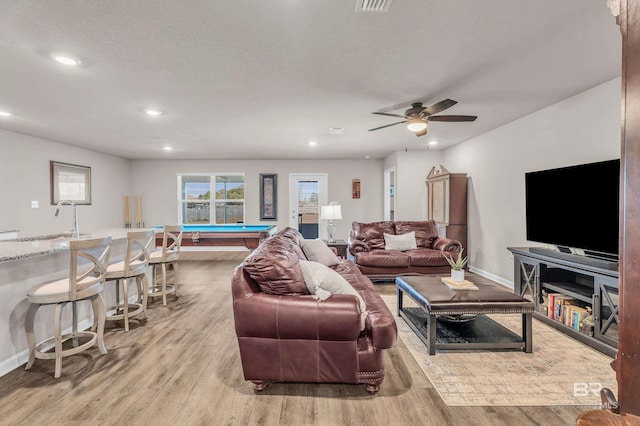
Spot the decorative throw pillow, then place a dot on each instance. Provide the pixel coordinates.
(318, 251)
(400, 242)
(320, 278)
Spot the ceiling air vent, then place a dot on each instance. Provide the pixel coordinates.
(373, 5)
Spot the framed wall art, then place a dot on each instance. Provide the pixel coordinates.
(70, 182)
(268, 196)
(355, 188)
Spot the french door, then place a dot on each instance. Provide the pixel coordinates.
(307, 193)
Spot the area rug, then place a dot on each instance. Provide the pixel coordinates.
(560, 371)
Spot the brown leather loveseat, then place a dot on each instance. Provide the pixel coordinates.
(367, 246)
(285, 335)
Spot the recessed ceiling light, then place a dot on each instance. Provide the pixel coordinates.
(5, 114)
(433, 142)
(153, 112)
(313, 143)
(336, 130)
(66, 60)
(167, 148)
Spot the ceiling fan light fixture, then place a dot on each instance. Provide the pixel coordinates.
(416, 125)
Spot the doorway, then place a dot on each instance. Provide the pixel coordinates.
(390, 193)
(307, 193)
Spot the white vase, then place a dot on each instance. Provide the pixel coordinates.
(457, 276)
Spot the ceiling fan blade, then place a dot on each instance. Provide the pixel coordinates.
(421, 132)
(440, 106)
(389, 115)
(388, 125)
(452, 118)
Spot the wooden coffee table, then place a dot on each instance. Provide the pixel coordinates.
(456, 319)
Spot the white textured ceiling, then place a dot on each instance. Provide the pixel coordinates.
(260, 78)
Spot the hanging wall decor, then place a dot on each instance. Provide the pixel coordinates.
(70, 182)
(268, 196)
(355, 188)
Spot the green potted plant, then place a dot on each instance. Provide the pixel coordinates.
(457, 266)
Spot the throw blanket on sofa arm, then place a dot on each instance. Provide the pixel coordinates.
(447, 245)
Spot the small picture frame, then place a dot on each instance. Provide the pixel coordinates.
(268, 196)
(70, 182)
(355, 189)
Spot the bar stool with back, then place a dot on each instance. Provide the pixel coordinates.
(134, 265)
(89, 259)
(167, 255)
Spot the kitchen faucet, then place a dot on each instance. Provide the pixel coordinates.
(76, 231)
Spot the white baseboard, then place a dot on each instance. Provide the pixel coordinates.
(492, 277)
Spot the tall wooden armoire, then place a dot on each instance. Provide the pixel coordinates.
(447, 203)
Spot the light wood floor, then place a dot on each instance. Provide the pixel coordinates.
(182, 367)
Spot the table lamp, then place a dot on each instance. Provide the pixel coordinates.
(331, 212)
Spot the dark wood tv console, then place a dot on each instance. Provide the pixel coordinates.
(572, 284)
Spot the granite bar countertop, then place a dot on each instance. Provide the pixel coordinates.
(21, 248)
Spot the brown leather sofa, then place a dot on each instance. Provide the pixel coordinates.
(285, 335)
(367, 247)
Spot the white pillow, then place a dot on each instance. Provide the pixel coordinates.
(400, 242)
(318, 251)
(319, 277)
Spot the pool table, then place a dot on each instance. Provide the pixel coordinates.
(248, 236)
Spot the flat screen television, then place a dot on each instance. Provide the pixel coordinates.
(575, 207)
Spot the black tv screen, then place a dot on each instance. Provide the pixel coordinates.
(575, 207)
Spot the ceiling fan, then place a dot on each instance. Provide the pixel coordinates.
(417, 116)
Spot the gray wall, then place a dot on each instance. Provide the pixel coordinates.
(156, 180)
(582, 129)
(24, 177)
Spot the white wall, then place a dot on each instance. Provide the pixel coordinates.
(24, 177)
(412, 168)
(411, 188)
(584, 128)
(156, 181)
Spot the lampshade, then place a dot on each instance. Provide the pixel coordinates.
(416, 124)
(331, 212)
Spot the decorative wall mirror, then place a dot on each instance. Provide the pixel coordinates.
(70, 182)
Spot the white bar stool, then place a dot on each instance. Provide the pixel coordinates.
(135, 266)
(89, 259)
(167, 255)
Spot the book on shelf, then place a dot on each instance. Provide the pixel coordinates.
(579, 314)
(566, 309)
(561, 303)
(458, 285)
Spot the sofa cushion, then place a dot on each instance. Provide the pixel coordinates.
(426, 231)
(290, 233)
(276, 268)
(287, 242)
(383, 258)
(373, 233)
(400, 242)
(318, 277)
(318, 251)
(426, 257)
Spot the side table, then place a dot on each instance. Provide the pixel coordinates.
(340, 246)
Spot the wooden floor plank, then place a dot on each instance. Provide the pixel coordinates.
(182, 366)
